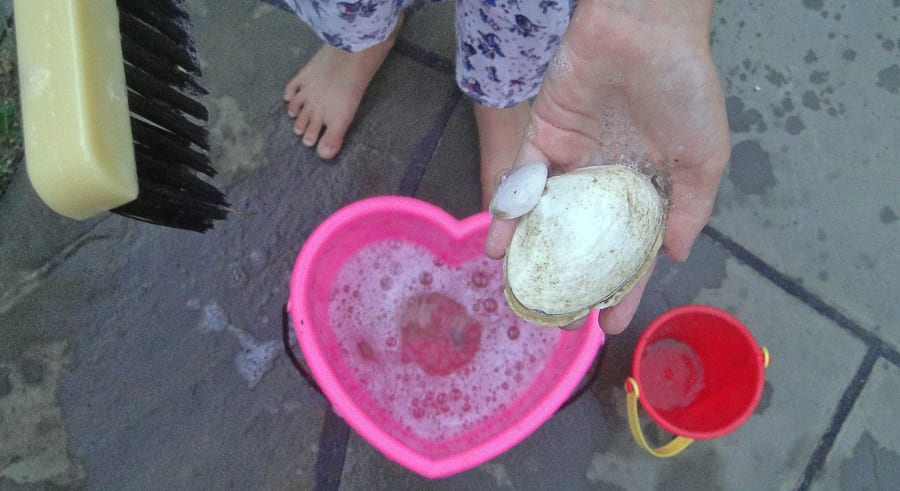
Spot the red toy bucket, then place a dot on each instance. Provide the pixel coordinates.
(698, 373)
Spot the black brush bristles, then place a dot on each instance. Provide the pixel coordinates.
(168, 122)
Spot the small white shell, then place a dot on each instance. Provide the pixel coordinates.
(593, 234)
(519, 191)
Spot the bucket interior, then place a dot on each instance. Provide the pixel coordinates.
(419, 407)
(700, 374)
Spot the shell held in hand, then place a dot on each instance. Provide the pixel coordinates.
(593, 234)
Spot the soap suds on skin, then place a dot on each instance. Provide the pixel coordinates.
(560, 66)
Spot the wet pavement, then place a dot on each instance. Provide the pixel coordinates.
(137, 357)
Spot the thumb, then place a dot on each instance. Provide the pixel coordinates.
(501, 231)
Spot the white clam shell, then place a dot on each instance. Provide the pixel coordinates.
(592, 235)
(519, 191)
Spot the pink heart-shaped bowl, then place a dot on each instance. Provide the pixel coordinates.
(402, 322)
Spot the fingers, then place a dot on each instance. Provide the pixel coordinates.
(693, 197)
(501, 231)
(499, 236)
(615, 319)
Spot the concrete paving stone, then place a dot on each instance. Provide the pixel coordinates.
(173, 338)
(431, 26)
(383, 136)
(25, 219)
(588, 445)
(813, 104)
(452, 179)
(249, 49)
(866, 454)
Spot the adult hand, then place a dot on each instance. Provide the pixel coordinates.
(633, 80)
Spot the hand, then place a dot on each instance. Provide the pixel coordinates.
(634, 81)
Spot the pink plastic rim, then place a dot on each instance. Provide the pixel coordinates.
(589, 338)
(747, 348)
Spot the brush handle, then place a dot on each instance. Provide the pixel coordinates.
(78, 142)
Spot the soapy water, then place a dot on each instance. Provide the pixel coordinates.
(434, 345)
(671, 375)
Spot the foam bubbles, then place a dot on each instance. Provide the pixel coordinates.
(511, 353)
(560, 65)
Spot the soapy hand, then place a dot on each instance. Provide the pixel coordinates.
(634, 81)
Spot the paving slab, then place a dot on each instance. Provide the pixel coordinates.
(588, 446)
(866, 454)
(451, 180)
(814, 107)
(431, 27)
(170, 338)
(126, 349)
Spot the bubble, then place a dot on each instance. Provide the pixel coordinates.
(480, 279)
(365, 350)
(513, 333)
(490, 305)
(386, 283)
(425, 278)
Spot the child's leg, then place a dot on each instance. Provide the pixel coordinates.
(502, 54)
(326, 92)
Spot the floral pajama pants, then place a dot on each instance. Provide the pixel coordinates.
(503, 46)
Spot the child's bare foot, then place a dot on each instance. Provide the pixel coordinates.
(500, 133)
(326, 93)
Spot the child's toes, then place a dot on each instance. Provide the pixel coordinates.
(311, 135)
(292, 87)
(302, 122)
(295, 104)
(333, 139)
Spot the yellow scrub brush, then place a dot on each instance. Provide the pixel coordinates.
(111, 119)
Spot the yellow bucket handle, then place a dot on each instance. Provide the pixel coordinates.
(679, 443)
(670, 449)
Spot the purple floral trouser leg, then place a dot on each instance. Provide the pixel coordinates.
(503, 46)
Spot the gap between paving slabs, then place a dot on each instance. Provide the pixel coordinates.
(334, 438)
(877, 348)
